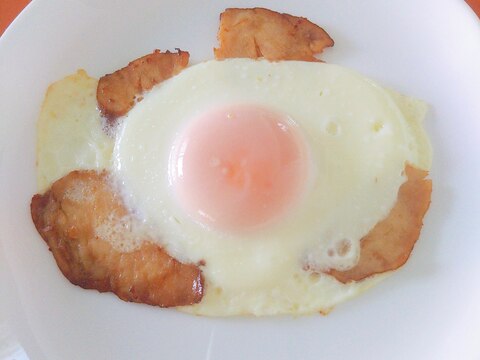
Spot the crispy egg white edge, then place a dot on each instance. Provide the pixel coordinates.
(69, 130)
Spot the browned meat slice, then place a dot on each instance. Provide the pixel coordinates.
(118, 92)
(85, 223)
(257, 32)
(389, 244)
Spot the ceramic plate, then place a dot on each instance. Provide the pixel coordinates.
(427, 310)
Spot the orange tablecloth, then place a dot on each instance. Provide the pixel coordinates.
(9, 9)
(475, 5)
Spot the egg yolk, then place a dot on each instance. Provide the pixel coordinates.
(238, 167)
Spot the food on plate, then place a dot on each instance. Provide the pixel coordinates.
(118, 92)
(352, 159)
(98, 245)
(255, 33)
(389, 244)
(279, 187)
(70, 132)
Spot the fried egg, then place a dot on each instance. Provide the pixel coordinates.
(256, 170)
(69, 130)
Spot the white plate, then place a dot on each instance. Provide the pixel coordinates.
(428, 310)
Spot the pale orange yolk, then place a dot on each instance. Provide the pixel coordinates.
(238, 167)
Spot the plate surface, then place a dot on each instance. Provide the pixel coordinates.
(428, 310)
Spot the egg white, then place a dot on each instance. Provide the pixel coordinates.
(359, 135)
(69, 130)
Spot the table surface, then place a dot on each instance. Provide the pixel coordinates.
(9, 9)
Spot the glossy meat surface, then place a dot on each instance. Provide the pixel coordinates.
(258, 32)
(389, 244)
(118, 92)
(85, 224)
